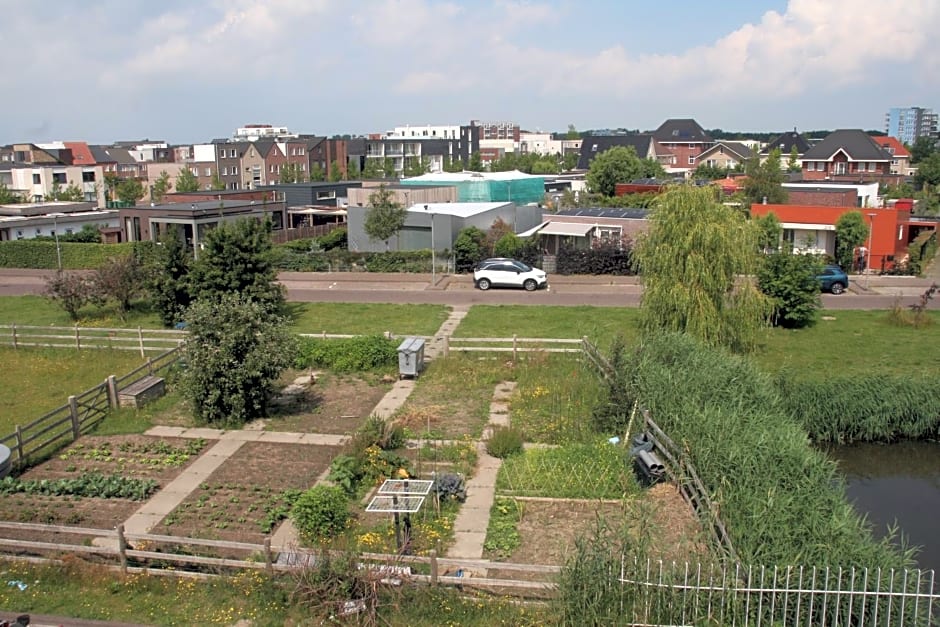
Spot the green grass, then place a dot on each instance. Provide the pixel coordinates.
(599, 324)
(36, 381)
(856, 342)
(367, 318)
(40, 311)
(577, 471)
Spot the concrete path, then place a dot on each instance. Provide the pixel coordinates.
(474, 516)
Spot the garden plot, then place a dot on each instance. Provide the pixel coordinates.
(334, 403)
(250, 494)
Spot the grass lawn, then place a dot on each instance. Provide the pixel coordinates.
(39, 380)
(367, 318)
(600, 324)
(39, 311)
(855, 342)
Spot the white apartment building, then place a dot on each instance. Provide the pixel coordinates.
(254, 132)
(450, 131)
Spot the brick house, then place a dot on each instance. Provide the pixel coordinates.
(900, 156)
(685, 139)
(848, 155)
(644, 144)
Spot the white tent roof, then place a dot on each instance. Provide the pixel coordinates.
(576, 229)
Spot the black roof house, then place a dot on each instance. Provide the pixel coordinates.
(681, 130)
(785, 143)
(855, 143)
(591, 146)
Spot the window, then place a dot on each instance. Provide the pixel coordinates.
(19, 235)
(327, 195)
(207, 172)
(810, 166)
(303, 167)
(59, 177)
(872, 166)
(88, 177)
(839, 167)
(594, 148)
(68, 231)
(272, 168)
(691, 160)
(90, 197)
(224, 171)
(232, 153)
(36, 180)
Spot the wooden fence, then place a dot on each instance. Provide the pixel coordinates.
(514, 345)
(142, 340)
(79, 415)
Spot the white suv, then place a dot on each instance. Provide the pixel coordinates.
(508, 273)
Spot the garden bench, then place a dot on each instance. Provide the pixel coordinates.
(138, 393)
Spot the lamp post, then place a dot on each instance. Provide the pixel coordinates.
(432, 245)
(55, 233)
(871, 232)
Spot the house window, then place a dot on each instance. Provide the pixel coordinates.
(36, 180)
(272, 168)
(207, 172)
(691, 145)
(810, 166)
(328, 195)
(232, 153)
(59, 177)
(90, 197)
(68, 231)
(691, 160)
(303, 167)
(872, 166)
(19, 235)
(839, 168)
(88, 177)
(224, 171)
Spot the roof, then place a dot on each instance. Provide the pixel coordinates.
(632, 213)
(81, 154)
(443, 178)
(681, 130)
(855, 143)
(457, 209)
(785, 143)
(211, 205)
(104, 154)
(737, 149)
(576, 229)
(643, 143)
(892, 145)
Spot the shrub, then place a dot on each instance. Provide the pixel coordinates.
(378, 432)
(606, 257)
(469, 248)
(790, 281)
(357, 354)
(504, 441)
(71, 291)
(450, 486)
(346, 472)
(321, 513)
(337, 238)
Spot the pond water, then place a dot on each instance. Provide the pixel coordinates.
(897, 482)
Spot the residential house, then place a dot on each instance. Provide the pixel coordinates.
(205, 164)
(496, 138)
(900, 156)
(436, 225)
(644, 144)
(402, 152)
(832, 194)
(37, 182)
(30, 220)
(685, 139)
(724, 155)
(117, 161)
(785, 143)
(811, 229)
(313, 202)
(580, 228)
(848, 155)
(252, 167)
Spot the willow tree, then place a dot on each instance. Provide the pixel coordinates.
(697, 264)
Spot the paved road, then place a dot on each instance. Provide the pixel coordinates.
(864, 293)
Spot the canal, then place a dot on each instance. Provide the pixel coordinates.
(897, 482)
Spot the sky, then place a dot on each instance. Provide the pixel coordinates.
(187, 71)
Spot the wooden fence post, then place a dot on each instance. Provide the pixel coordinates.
(113, 399)
(446, 346)
(268, 561)
(514, 347)
(73, 411)
(19, 443)
(78, 339)
(14, 335)
(122, 548)
(433, 567)
(150, 366)
(140, 341)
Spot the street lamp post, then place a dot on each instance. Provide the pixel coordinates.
(871, 232)
(55, 233)
(432, 246)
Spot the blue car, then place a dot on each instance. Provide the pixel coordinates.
(833, 279)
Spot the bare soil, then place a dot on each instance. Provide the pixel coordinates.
(336, 404)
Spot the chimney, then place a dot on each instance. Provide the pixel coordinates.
(764, 201)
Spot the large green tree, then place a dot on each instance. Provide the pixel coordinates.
(928, 173)
(619, 164)
(851, 233)
(765, 180)
(385, 217)
(235, 351)
(694, 263)
(789, 280)
(186, 181)
(161, 187)
(768, 232)
(130, 191)
(372, 169)
(236, 259)
(168, 278)
(923, 147)
(217, 184)
(415, 166)
(336, 172)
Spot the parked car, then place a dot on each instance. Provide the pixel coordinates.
(833, 279)
(504, 272)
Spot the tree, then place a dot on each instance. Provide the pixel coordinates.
(119, 279)
(385, 217)
(793, 162)
(162, 187)
(167, 279)
(453, 165)
(111, 182)
(851, 233)
(70, 290)
(217, 184)
(317, 173)
(236, 259)
(291, 173)
(72, 193)
(928, 172)
(704, 171)
(509, 245)
(765, 180)
(416, 167)
(619, 164)
(8, 196)
(690, 262)
(476, 163)
(923, 147)
(186, 181)
(572, 132)
(336, 173)
(388, 168)
(768, 232)
(373, 169)
(235, 352)
(353, 173)
(469, 248)
(129, 191)
(790, 282)
(569, 161)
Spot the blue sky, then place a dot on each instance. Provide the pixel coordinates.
(188, 71)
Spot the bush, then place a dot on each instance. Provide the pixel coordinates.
(504, 441)
(606, 257)
(388, 436)
(71, 291)
(450, 486)
(337, 238)
(469, 248)
(357, 354)
(790, 281)
(321, 513)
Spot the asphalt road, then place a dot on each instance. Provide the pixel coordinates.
(603, 291)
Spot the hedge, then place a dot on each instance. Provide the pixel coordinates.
(294, 258)
(42, 255)
(605, 258)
